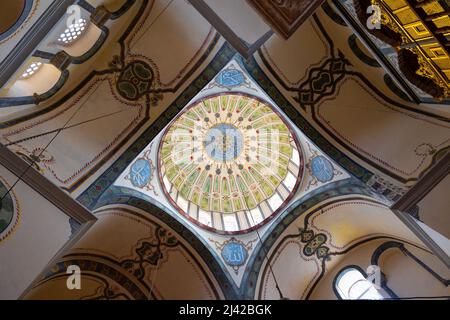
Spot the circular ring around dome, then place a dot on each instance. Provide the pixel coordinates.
(15, 14)
(229, 163)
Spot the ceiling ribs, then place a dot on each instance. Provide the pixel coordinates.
(236, 42)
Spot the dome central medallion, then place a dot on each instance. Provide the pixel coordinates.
(229, 163)
(223, 143)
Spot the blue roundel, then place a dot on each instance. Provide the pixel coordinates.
(230, 78)
(322, 169)
(234, 254)
(140, 173)
(223, 142)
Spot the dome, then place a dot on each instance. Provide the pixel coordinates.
(10, 14)
(229, 163)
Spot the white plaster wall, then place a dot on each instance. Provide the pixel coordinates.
(42, 230)
(434, 208)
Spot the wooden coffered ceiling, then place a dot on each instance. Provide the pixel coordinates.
(285, 16)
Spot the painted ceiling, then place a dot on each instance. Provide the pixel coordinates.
(141, 88)
(229, 155)
(121, 87)
(286, 167)
(114, 97)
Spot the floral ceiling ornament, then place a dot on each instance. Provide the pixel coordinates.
(314, 243)
(135, 80)
(322, 81)
(150, 252)
(37, 157)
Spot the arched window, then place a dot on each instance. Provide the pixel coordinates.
(351, 284)
(74, 31)
(32, 69)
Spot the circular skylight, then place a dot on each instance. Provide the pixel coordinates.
(32, 69)
(72, 33)
(229, 163)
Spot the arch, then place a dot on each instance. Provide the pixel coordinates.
(88, 44)
(433, 274)
(320, 239)
(353, 279)
(139, 257)
(39, 83)
(120, 196)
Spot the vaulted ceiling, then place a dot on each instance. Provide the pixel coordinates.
(83, 102)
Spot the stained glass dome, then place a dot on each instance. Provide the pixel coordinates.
(229, 163)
